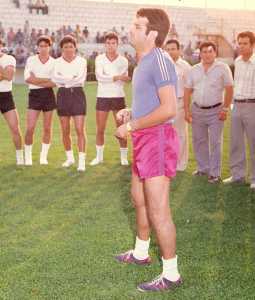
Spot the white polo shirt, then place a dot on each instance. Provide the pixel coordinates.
(5, 61)
(105, 71)
(182, 69)
(40, 69)
(70, 74)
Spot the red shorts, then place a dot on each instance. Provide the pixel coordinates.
(155, 151)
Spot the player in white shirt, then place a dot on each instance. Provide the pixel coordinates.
(69, 74)
(181, 126)
(38, 71)
(111, 73)
(7, 105)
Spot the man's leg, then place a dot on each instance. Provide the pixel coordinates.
(157, 202)
(237, 146)
(122, 142)
(215, 138)
(181, 127)
(140, 253)
(12, 120)
(101, 120)
(249, 125)
(46, 139)
(200, 140)
(67, 142)
(79, 123)
(32, 117)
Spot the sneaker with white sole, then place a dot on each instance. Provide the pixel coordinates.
(124, 162)
(252, 186)
(159, 284)
(68, 163)
(96, 161)
(43, 161)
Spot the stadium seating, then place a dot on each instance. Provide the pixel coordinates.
(102, 16)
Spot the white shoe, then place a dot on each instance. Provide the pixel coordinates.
(28, 162)
(43, 161)
(252, 186)
(96, 161)
(68, 163)
(20, 162)
(81, 168)
(124, 162)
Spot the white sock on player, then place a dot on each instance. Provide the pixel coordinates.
(70, 159)
(44, 154)
(28, 155)
(19, 157)
(82, 160)
(141, 250)
(123, 156)
(100, 155)
(170, 269)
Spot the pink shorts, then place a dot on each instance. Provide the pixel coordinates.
(155, 151)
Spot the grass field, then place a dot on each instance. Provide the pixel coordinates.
(59, 229)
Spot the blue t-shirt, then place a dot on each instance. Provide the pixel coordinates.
(155, 70)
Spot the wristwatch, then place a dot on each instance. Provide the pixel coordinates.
(129, 128)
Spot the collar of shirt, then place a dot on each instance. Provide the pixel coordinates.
(251, 59)
(215, 64)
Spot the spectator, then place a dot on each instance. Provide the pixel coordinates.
(98, 38)
(123, 35)
(20, 53)
(17, 3)
(45, 8)
(2, 31)
(10, 38)
(85, 32)
(19, 37)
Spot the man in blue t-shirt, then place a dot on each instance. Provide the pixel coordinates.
(155, 146)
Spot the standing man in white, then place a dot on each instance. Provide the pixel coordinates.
(69, 74)
(243, 112)
(111, 73)
(38, 71)
(7, 105)
(182, 68)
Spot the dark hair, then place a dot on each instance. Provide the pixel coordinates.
(111, 36)
(206, 45)
(44, 38)
(173, 41)
(158, 21)
(248, 34)
(67, 39)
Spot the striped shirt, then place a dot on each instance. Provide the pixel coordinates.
(155, 70)
(244, 81)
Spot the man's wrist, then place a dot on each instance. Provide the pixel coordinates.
(225, 109)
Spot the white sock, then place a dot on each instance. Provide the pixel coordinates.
(19, 157)
(170, 269)
(141, 250)
(28, 154)
(123, 153)
(69, 155)
(44, 151)
(82, 159)
(100, 152)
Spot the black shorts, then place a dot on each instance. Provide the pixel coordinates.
(71, 102)
(6, 102)
(107, 104)
(42, 99)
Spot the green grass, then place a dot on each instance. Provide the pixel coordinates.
(59, 230)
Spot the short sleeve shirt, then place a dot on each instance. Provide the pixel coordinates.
(5, 61)
(155, 70)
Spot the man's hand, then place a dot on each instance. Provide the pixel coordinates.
(223, 115)
(124, 115)
(122, 132)
(188, 117)
(122, 77)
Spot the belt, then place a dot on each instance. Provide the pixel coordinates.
(245, 100)
(208, 107)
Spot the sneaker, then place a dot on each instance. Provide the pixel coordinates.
(68, 163)
(159, 284)
(28, 161)
(128, 257)
(81, 167)
(199, 173)
(43, 161)
(232, 180)
(214, 179)
(252, 186)
(96, 161)
(124, 162)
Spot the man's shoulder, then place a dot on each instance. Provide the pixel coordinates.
(9, 58)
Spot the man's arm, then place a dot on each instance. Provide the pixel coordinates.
(229, 91)
(7, 73)
(187, 98)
